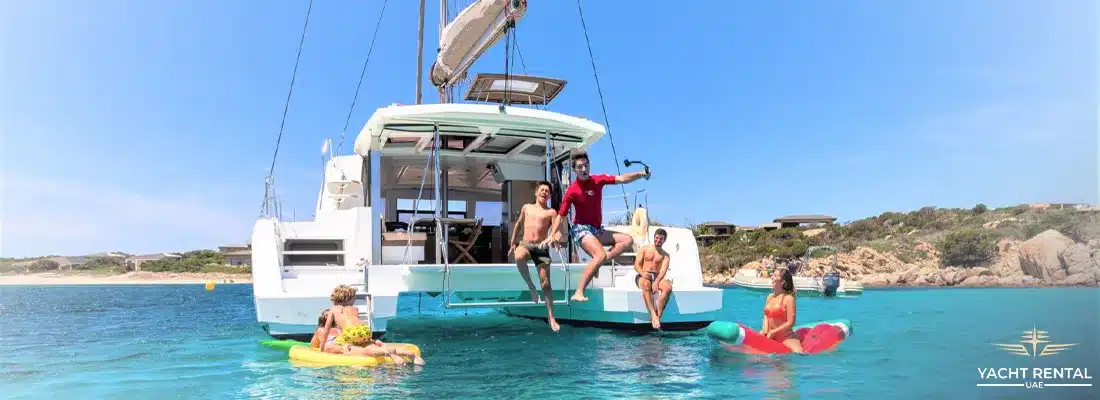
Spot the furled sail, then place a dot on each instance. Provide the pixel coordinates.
(473, 31)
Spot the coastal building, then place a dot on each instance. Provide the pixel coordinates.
(714, 231)
(134, 263)
(793, 221)
(63, 262)
(765, 227)
(1060, 206)
(237, 254)
(112, 255)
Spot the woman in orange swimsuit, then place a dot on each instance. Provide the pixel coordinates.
(779, 311)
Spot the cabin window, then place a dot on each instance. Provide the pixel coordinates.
(456, 209)
(534, 150)
(405, 210)
(499, 145)
(402, 141)
(557, 137)
(312, 260)
(489, 212)
(455, 142)
(313, 245)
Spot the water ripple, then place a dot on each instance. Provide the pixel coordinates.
(181, 341)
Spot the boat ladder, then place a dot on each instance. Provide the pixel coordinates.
(366, 313)
(494, 304)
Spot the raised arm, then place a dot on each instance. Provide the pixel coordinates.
(629, 177)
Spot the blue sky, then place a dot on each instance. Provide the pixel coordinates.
(147, 126)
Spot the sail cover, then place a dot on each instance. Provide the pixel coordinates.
(473, 31)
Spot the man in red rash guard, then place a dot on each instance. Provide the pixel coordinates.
(585, 194)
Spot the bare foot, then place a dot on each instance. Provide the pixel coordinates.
(534, 295)
(398, 360)
(655, 321)
(578, 297)
(418, 361)
(554, 325)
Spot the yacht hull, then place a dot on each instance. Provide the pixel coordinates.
(615, 308)
(295, 318)
(613, 301)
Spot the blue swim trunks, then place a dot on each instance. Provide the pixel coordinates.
(582, 230)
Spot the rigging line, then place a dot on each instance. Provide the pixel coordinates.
(293, 76)
(362, 73)
(511, 55)
(603, 106)
(523, 64)
(519, 52)
(507, 72)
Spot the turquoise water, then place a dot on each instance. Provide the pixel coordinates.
(179, 341)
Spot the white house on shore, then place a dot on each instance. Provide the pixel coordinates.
(237, 254)
(134, 263)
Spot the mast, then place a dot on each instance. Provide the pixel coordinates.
(420, 55)
(444, 16)
(441, 174)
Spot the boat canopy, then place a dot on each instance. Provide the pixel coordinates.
(474, 130)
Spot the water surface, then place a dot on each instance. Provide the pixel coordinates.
(179, 341)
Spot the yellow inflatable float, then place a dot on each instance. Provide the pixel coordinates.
(316, 357)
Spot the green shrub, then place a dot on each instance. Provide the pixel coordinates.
(44, 265)
(967, 248)
(103, 264)
(226, 269)
(192, 261)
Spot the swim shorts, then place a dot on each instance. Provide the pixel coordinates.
(540, 255)
(582, 230)
(358, 335)
(652, 276)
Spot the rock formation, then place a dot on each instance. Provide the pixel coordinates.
(1047, 259)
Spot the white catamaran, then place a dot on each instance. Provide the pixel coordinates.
(454, 156)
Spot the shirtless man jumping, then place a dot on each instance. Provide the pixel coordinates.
(585, 195)
(651, 264)
(536, 219)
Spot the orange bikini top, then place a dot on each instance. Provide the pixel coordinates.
(777, 312)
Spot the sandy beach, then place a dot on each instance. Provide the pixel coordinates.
(130, 278)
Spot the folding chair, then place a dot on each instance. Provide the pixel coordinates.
(464, 246)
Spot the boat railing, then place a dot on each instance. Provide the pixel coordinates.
(634, 199)
(442, 224)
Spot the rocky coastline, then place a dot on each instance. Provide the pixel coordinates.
(1049, 259)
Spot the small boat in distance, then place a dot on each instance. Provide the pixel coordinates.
(829, 284)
